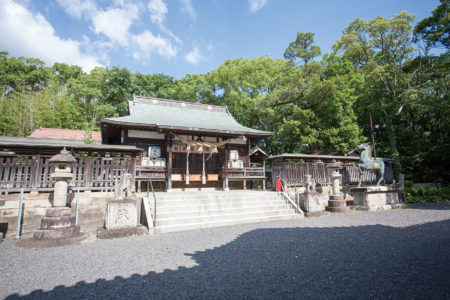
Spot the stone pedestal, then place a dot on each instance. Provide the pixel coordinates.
(58, 223)
(313, 203)
(337, 204)
(375, 198)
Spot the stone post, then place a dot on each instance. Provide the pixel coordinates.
(335, 178)
(401, 191)
(62, 176)
(401, 180)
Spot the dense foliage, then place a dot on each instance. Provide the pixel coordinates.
(427, 194)
(382, 67)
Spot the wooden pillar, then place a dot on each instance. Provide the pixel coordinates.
(88, 172)
(225, 182)
(169, 166)
(133, 171)
(35, 172)
(264, 174)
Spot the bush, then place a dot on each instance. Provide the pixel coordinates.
(428, 194)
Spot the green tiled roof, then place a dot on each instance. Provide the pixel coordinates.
(170, 114)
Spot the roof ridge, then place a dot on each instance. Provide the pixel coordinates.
(178, 103)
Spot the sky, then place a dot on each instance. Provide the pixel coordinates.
(178, 37)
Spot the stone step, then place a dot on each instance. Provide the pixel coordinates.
(222, 217)
(200, 212)
(220, 223)
(203, 202)
(211, 195)
(186, 207)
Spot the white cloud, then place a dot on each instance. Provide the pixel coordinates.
(256, 5)
(158, 11)
(186, 6)
(29, 35)
(147, 43)
(115, 23)
(194, 57)
(78, 8)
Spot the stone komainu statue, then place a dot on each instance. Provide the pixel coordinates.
(310, 184)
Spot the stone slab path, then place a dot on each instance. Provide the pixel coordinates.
(403, 253)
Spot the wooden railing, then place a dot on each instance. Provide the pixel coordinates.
(246, 173)
(32, 172)
(294, 173)
(155, 173)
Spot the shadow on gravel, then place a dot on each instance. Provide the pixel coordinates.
(345, 262)
(444, 205)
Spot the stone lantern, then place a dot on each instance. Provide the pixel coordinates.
(336, 203)
(62, 175)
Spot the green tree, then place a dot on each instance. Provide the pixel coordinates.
(333, 99)
(302, 48)
(117, 88)
(152, 85)
(435, 30)
(380, 48)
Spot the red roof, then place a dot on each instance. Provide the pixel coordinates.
(64, 134)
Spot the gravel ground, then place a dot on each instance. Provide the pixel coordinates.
(402, 253)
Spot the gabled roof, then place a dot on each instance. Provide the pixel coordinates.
(178, 115)
(64, 134)
(257, 151)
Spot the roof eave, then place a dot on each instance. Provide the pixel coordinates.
(188, 129)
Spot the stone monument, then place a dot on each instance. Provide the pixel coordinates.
(336, 203)
(121, 217)
(312, 202)
(59, 222)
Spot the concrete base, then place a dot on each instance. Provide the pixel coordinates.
(374, 198)
(103, 233)
(337, 204)
(29, 243)
(378, 207)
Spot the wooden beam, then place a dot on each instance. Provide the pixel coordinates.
(225, 182)
(169, 166)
